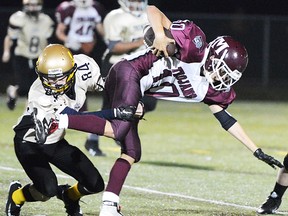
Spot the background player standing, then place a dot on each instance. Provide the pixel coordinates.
(31, 29)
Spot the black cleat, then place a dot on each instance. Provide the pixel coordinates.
(11, 208)
(271, 204)
(72, 207)
(92, 146)
(11, 103)
(12, 96)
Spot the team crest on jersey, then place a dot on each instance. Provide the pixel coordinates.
(198, 41)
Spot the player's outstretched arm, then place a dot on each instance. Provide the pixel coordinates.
(234, 128)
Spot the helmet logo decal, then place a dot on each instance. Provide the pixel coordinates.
(55, 72)
(219, 45)
(198, 41)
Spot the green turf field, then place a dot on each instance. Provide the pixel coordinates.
(190, 165)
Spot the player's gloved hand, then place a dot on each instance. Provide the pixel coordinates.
(267, 158)
(125, 112)
(43, 128)
(40, 132)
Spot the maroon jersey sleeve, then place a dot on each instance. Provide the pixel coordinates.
(190, 40)
(221, 98)
(64, 10)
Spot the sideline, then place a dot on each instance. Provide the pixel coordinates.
(146, 190)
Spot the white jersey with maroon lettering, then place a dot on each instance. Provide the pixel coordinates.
(178, 81)
(81, 23)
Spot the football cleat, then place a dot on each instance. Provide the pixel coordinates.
(110, 208)
(271, 204)
(72, 207)
(11, 208)
(92, 146)
(12, 96)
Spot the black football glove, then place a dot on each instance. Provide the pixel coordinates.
(40, 132)
(44, 128)
(267, 158)
(125, 113)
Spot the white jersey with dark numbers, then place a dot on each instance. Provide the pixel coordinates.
(87, 78)
(81, 23)
(121, 26)
(31, 33)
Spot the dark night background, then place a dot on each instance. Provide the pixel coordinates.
(264, 7)
(261, 25)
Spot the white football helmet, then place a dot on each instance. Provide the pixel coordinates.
(83, 3)
(135, 7)
(32, 7)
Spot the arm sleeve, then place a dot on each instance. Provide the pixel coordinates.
(105, 114)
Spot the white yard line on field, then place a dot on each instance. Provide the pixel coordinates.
(146, 190)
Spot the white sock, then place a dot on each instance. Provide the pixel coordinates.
(109, 196)
(63, 121)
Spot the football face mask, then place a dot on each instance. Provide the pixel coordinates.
(227, 60)
(56, 69)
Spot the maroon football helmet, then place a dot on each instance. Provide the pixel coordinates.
(227, 59)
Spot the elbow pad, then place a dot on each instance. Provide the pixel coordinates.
(225, 119)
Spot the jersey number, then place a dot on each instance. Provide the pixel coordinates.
(85, 67)
(85, 30)
(34, 44)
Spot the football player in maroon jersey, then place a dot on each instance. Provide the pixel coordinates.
(198, 72)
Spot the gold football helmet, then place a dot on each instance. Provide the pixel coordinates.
(56, 69)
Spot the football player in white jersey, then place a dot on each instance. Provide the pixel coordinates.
(77, 22)
(31, 29)
(123, 36)
(61, 87)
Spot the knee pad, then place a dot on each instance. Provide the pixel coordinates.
(285, 162)
(37, 195)
(92, 187)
